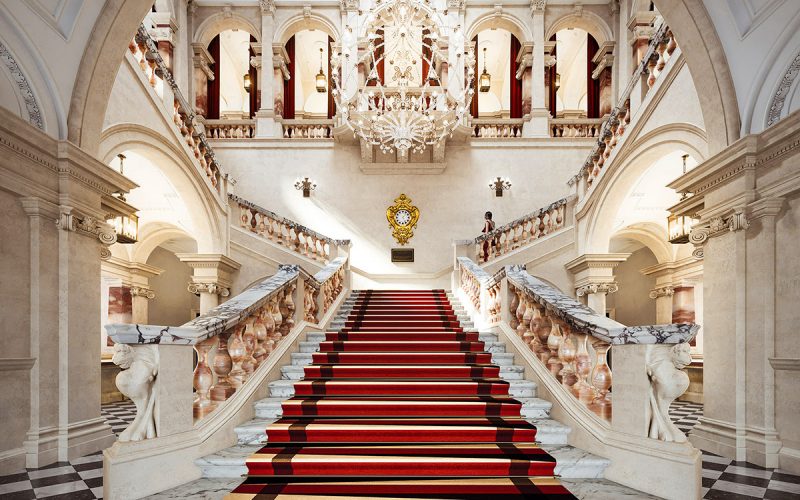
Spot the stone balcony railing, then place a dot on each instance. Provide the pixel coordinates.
(145, 52)
(293, 236)
(575, 128)
(497, 128)
(230, 129)
(307, 129)
(232, 341)
(622, 416)
(520, 232)
(662, 48)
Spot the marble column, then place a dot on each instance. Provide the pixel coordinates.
(211, 278)
(594, 277)
(663, 297)
(539, 125)
(265, 117)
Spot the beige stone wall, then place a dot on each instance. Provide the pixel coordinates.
(173, 303)
(632, 305)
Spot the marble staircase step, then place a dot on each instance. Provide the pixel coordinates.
(573, 462)
(253, 431)
(229, 462)
(517, 389)
(549, 431)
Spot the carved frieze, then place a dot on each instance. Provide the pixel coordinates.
(34, 112)
(267, 6)
(737, 221)
(87, 225)
(212, 288)
(604, 288)
(662, 291)
(140, 291)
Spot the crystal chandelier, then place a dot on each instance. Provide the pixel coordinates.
(391, 103)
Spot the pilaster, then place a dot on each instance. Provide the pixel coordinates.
(212, 277)
(538, 126)
(594, 277)
(265, 117)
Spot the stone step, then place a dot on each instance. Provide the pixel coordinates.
(549, 431)
(513, 372)
(573, 462)
(229, 462)
(281, 389)
(253, 431)
(517, 389)
(269, 408)
(308, 346)
(535, 407)
(302, 358)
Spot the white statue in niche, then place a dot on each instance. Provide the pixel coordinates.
(136, 381)
(667, 382)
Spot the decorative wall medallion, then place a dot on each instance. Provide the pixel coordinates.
(402, 217)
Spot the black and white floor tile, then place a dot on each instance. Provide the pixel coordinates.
(723, 479)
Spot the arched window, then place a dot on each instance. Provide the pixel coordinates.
(496, 53)
(307, 91)
(233, 93)
(573, 91)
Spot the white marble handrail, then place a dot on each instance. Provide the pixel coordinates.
(144, 50)
(293, 235)
(660, 50)
(232, 341)
(521, 232)
(564, 335)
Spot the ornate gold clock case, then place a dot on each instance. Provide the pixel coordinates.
(402, 217)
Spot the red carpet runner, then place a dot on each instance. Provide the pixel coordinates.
(401, 403)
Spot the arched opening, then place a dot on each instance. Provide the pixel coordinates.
(306, 93)
(573, 88)
(233, 92)
(631, 305)
(498, 89)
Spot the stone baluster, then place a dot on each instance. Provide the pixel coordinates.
(567, 352)
(203, 378)
(269, 328)
(276, 316)
(513, 306)
(582, 389)
(553, 344)
(310, 303)
(651, 69)
(601, 380)
(249, 338)
(541, 326)
(523, 330)
(260, 353)
(222, 365)
(237, 352)
(289, 308)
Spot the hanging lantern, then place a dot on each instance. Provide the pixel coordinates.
(247, 82)
(322, 80)
(679, 226)
(486, 78)
(126, 227)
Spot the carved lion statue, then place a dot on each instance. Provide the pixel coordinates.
(136, 381)
(667, 382)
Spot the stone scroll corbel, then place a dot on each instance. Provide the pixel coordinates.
(667, 382)
(137, 381)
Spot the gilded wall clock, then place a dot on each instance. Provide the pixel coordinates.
(402, 217)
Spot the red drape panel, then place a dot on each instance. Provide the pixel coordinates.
(474, 105)
(255, 95)
(552, 88)
(516, 84)
(592, 86)
(212, 87)
(331, 101)
(288, 85)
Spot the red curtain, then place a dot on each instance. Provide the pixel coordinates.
(475, 83)
(288, 85)
(552, 88)
(331, 101)
(516, 84)
(255, 95)
(592, 85)
(212, 86)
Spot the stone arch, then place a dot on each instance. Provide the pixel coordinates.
(705, 56)
(300, 23)
(650, 235)
(207, 215)
(588, 21)
(599, 213)
(504, 20)
(105, 50)
(222, 21)
(154, 235)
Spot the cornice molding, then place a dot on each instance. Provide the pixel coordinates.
(790, 364)
(596, 261)
(16, 364)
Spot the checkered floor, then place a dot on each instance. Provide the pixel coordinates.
(723, 479)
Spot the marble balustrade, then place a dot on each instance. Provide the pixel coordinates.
(230, 129)
(231, 341)
(307, 129)
(575, 128)
(497, 128)
(521, 232)
(282, 231)
(660, 50)
(572, 341)
(144, 50)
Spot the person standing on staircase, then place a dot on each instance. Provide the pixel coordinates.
(488, 227)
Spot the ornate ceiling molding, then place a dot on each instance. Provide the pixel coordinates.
(32, 106)
(779, 99)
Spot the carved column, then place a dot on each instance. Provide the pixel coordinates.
(594, 277)
(211, 277)
(202, 73)
(265, 117)
(539, 124)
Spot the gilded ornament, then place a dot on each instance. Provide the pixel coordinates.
(403, 218)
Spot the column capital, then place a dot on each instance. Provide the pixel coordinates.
(202, 59)
(86, 225)
(662, 291)
(141, 291)
(736, 221)
(210, 288)
(211, 272)
(538, 6)
(348, 5)
(604, 287)
(267, 7)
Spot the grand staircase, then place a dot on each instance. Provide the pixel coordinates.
(402, 398)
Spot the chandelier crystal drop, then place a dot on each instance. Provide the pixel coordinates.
(387, 78)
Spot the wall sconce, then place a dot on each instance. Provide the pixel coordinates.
(499, 185)
(486, 78)
(322, 80)
(306, 185)
(247, 82)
